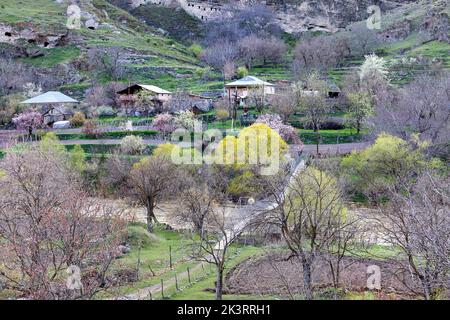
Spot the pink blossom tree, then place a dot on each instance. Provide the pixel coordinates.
(165, 123)
(28, 120)
(287, 132)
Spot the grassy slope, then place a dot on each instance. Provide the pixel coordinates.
(168, 58)
(179, 24)
(155, 255)
(124, 31)
(41, 13)
(412, 46)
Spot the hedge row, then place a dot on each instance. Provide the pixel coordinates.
(108, 135)
(105, 148)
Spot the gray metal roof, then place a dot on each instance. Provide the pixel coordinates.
(248, 81)
(332, 87)
(50, 97)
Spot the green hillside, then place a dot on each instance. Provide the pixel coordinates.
(158, 54)
(167, 62)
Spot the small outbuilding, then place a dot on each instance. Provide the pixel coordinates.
(333, 91)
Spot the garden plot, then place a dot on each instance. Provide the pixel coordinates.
(275, 274)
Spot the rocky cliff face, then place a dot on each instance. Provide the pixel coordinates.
(326, 15)
(294, 15)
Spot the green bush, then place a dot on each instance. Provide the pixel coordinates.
(77, 157)
(330, 137)
(105, 111)
(108, 135)
(242, 185)
(196, 49)
(137, 234)
(242, 72)
(78, 119)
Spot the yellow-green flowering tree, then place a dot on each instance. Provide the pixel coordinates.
(255, 145)
(390, 162)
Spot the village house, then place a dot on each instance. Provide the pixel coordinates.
(242, 88)
(142, 99)
(52, 106)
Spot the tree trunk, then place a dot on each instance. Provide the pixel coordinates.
(307, 282)
(219, 283)
(149, 221)
(315, 127)
(150, 215)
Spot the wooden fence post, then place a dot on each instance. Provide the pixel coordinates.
(170, 257)
(138, 266)
(189, 275)
(176, 282)
(162, 288)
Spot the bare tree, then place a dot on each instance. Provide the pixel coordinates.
(362, 40)
(108, 61)
(222, 231)
(284, 104)
(417, 222)
(197, 205)
(249, 49)
(344, 234)
(253, 49)
(257, 98)
(220, 55)
(421, 107)
(229, 70)
(312, 102)
(200, 192)
(242, 21)
(14, 75)
(273, 50)
(320, 53)
(100, 96)
(47, 224)
(153, 179)
(117, 175)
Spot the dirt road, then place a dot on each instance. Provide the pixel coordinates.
(330, 149)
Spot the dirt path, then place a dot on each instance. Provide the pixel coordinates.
(330, 149)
